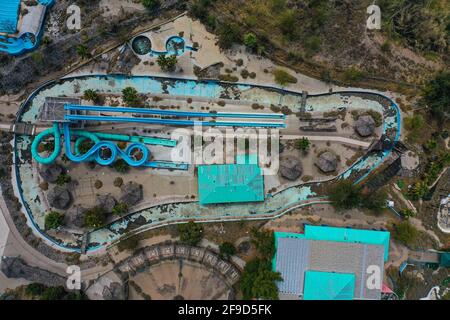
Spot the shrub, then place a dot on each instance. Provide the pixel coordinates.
(128, 244)
(405, 233)
(375, 201)
(229, 34)
(302, 144)
(226, 250)
(98, 184)
(118, 182)
(353, 74)
(344, 195)
(95, 217)
(190, 233)
(150, 4)
(407, 213)
(85, 146)
(34, 289)
(414, 125)
(53, 220)
(120, 209)
(287, 24)
(62, 179)
(53, 293)
(250, 41)
(283, 78)
(121, 166)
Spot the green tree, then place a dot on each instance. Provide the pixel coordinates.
(34, 289)
(303, 144)
(250, 41)
(53, 220)
(264, 242)
(431, 144)
(259, 281)
(437, 95)
(414, 125)
(229, 34)
(199, 9)
(418, 190)
(405, 233)
(121, 166)
(344, 195)
(95, 217)
(54, 293)
(150, 4)
(62, 179)
(375, 201)
(191, 233)
(287, 23)
(167, 63)
(128, 244)
(79, 295)
(91, 95)
(407, 213)
(82, 51)
(85, 146)
(131, 97)
(226, 250)
(120, 209)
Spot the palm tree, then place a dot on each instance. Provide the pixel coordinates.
(83, 51)
(303, 144)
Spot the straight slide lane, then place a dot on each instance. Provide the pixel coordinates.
(176, 113)
(71, 117)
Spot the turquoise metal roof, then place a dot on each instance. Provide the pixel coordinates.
(9, 15)
(329, 286)
(444, 260)
(349, 235)
(230, 183)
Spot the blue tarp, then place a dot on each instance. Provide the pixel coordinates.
(9, 15)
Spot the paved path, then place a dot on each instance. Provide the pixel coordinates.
(344, 140)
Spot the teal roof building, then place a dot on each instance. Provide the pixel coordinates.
(328, 263)
(230, 183)
(349, 235)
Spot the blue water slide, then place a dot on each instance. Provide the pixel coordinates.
(95, 151)
(54, 131)
(73, 117)
(176, 113)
